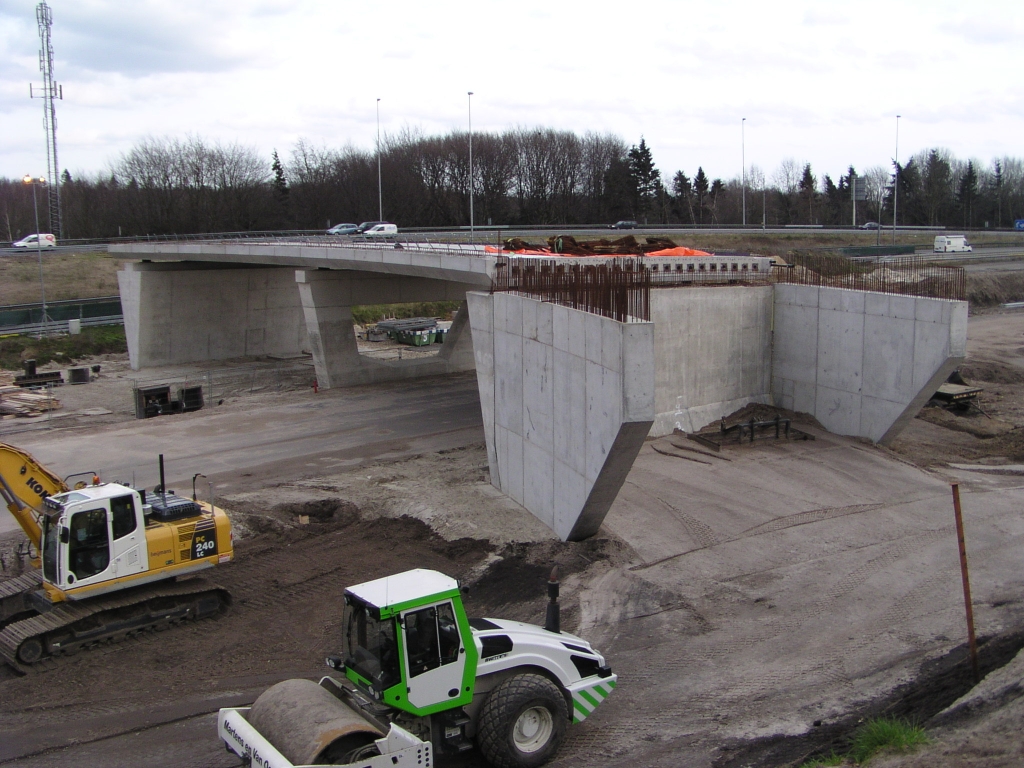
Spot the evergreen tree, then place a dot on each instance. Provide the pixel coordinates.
(281, 192)
(700, 191)
(968, 191)
(65, 178)
(808, 185)
(682, 189)
(644, 177)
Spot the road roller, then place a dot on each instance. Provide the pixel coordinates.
(418, 681)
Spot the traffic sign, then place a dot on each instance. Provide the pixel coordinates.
(1018, 224)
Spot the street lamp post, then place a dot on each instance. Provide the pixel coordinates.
(380, 194)
(896, 185)
(743, 173)
(470, 96)
(34, 182)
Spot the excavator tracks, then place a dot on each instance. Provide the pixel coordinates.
(13, 591)
(32, 644)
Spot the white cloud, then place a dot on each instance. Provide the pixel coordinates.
(812, 79)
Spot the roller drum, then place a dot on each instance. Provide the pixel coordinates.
(308, 725)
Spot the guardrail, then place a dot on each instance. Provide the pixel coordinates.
(57, 326)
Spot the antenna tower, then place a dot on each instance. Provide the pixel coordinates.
(49, 94)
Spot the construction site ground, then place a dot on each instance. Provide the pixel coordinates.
(758, 602)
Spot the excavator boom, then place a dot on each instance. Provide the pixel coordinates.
(24, 483)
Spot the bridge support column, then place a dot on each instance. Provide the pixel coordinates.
(327, 307)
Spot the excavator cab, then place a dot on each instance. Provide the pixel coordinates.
(92, 536)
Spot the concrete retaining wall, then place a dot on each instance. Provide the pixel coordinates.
(862, 363)
(185, 313)
(567, 399)
(712, 353)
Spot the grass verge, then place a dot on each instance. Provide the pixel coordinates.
(885, 734)
(91, 341)
(881, 734)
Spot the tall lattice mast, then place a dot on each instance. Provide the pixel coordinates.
(49, 94)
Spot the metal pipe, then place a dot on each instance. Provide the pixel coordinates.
(965, 578)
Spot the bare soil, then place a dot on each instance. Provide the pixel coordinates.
(758, 602)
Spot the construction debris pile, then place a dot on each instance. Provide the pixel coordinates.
(567, 245)
(15, 401)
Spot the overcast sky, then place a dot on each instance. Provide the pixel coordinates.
(820, 82)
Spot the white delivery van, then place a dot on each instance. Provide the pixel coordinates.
(36, 241)
(383, 229)
(952, 244)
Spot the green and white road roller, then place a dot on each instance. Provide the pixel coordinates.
(421, 681)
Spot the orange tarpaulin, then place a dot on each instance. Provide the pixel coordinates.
(679, 251)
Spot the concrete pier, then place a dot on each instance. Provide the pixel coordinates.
(567, 399)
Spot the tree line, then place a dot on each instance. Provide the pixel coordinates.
(521, 176)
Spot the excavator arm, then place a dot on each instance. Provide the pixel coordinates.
(24, 483)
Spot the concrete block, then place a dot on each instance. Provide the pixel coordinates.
(577, 333)
(876, 304)
(903, 307)
(841, 300)
(958, 329)
(538, 394)
(840, 351)
(796, 343)
(604, 416)
(508, 380)
(593, 330)
(931, 350)
(539, 483)
(570, 494)
(514, 468)
(797, 295)
(560, 327)
(611, 345)
(929, 310)
(638, 371)
(570, 410)
(805, 397)
(838, 410)
(529, 319)
(545, 323)
(888, 358)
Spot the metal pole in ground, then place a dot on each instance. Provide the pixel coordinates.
(971, 640)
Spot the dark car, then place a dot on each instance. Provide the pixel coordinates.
(869, 225)
(624, 225)
(343, 229)
(367, 225)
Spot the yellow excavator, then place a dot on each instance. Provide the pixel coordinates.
(110, 556)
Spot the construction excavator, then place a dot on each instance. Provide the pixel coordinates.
(422, 680)
(106, 560)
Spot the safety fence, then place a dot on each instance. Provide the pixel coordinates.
(910, 276)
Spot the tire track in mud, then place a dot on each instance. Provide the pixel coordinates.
(698, 530)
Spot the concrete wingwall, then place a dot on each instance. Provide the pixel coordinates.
(567, 400)
(712, 353)
(183, 313)
(862, 363)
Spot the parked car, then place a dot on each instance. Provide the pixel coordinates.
(869, 225)
(36, 241)
(343, 229)
(624, 225)
(381, 229)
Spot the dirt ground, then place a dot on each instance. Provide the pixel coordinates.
(757, 602)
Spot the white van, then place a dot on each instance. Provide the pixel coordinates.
(952, 244)
(36, 241)
(383, 229)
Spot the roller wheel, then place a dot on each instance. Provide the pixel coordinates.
(522, 723)
(30, 651)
